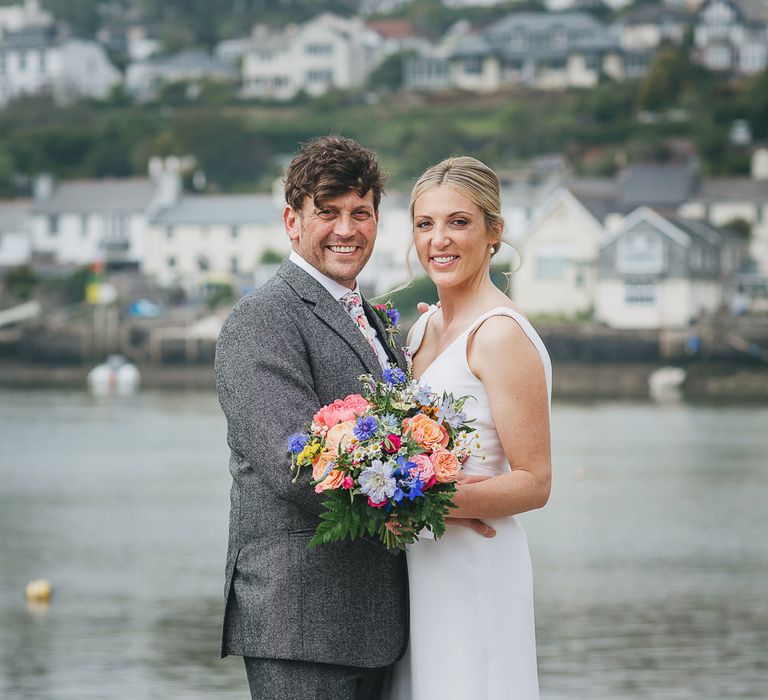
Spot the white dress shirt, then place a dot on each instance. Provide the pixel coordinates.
(337, 291)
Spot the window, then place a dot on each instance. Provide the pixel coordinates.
(171, 261)
(473, 66)
(640, 252)
(84, 225)
(169, 232)
(234, 231)
(550, 267)
(2, 63)
(319, 77)
(234, 267)
(203, 264)
(53, 225)
(22, 60)
(41, 65)
(319, 49)
(639, 293)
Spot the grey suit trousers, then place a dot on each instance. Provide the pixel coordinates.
(285, 679)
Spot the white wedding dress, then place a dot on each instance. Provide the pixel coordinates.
(472, 631)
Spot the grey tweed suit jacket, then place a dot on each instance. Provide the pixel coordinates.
(284, 351)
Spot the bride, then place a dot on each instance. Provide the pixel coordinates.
(471, 599)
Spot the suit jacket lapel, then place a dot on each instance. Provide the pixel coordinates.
(331, 313)
(395, 354)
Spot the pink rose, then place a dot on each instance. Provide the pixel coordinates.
(373, 504)
(341, 410)
(426, 432)
(446, 466)
(348, 483)
(423, 467)
(339, 437)
(391, 444)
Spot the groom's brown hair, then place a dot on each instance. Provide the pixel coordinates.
(331, 166)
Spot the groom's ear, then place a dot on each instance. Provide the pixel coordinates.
(291, 223)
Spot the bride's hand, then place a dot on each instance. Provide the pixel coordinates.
(473, 524)
(464, 479)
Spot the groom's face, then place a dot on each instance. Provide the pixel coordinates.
(336, 237)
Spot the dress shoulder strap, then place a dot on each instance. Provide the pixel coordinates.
(420, 328)
(529, 331)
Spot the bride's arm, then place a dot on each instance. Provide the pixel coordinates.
(510, 368)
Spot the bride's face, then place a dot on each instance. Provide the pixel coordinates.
(450, 236)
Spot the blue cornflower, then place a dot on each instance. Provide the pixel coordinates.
(403, 467)
(389, 422)
(394, 316)
(297, 442)
(365, 427)
(398, 495)
(415, 488)
(394, 376)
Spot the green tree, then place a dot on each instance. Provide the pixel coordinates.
(661, 88)
(756, 100)
(21, 282)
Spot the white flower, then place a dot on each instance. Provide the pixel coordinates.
(377, 481)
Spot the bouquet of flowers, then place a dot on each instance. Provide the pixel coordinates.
(387, 460)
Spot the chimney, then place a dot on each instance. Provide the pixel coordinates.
(43, 186)
(165, 174)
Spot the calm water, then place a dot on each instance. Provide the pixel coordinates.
(651, 559)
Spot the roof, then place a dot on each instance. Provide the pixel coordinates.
(732, 189)
(192, 60)
(657, 184)
(393, 28)
(581, 32)
(232, 210)
(651, 14)
(598, 195)
(699, 229)
(114, 196)
(29, 38)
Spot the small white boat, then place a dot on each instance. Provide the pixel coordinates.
(114, 377)
(666, 384)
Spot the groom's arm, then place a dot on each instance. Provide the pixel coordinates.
(265, 390)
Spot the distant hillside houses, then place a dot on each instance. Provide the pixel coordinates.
(36, 61)
(537, 49)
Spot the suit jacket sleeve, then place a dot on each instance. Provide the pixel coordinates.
(265, 388)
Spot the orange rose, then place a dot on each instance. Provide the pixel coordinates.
(339, 437)
(446, 466)
(335, 476)
(426, 432)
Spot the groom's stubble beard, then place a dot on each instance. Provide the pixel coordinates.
(329, 265)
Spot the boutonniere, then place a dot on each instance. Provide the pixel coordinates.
(390, 317)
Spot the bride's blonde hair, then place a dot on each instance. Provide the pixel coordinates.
(476, 181)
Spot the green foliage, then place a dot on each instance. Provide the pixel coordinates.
(756, 104)
(421, 289)
(661, 88)
(21, 282)
(270, 257)
(389, 73)
(69, 289)
(741, 227)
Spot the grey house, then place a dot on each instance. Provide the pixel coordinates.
(663, 271)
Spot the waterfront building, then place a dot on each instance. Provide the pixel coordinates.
(645, 27)
(35, 61)
(78, 222)
(212, 239)
(15, 243)
(663, 271)
(560, 251)
(24, 15)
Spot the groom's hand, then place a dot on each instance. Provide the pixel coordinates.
(474, 524)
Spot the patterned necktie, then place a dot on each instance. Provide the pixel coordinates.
(353, 305)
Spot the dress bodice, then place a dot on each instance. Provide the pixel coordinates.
(450, 372)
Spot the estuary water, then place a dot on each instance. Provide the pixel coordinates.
(650, 560)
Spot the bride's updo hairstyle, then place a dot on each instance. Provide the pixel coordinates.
(476, 181)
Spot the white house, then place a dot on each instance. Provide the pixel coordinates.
(725, 39)
(33, 62)
(201, 238)
(14, 18)
(324, 53)
(660, 271)
(144, 79)
(78, 222)
(646, 27)
(560, 251)
(723, 200)
(15, 243)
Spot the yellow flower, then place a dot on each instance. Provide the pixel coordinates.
(305, 457)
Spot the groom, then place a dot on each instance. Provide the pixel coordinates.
(324, 622)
